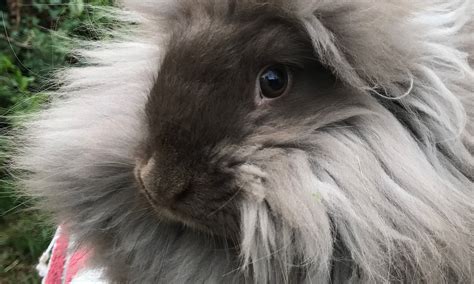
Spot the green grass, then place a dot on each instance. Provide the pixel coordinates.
(31, 47)
(22, 240)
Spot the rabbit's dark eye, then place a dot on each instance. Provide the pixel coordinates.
(274, 81)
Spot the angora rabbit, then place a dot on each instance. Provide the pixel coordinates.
(266, 141)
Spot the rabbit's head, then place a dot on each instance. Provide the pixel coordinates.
(236, 94)
(265, 141)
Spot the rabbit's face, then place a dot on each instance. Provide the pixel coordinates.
(230, 98)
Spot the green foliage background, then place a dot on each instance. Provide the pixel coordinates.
(35, 39)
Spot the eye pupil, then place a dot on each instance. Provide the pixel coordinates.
(273, 81)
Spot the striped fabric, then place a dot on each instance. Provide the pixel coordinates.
(63, 264)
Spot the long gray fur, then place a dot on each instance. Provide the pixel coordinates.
(368, 180)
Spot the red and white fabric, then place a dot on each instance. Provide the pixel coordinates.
(61, 263)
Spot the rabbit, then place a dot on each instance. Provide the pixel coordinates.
(265, 141)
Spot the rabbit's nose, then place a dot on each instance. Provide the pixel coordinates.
(164, 182)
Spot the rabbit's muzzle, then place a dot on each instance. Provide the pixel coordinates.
(188, 189)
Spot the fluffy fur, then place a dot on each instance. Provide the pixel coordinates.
(367, 180)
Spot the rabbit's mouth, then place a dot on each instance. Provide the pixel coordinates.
(209, 203)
